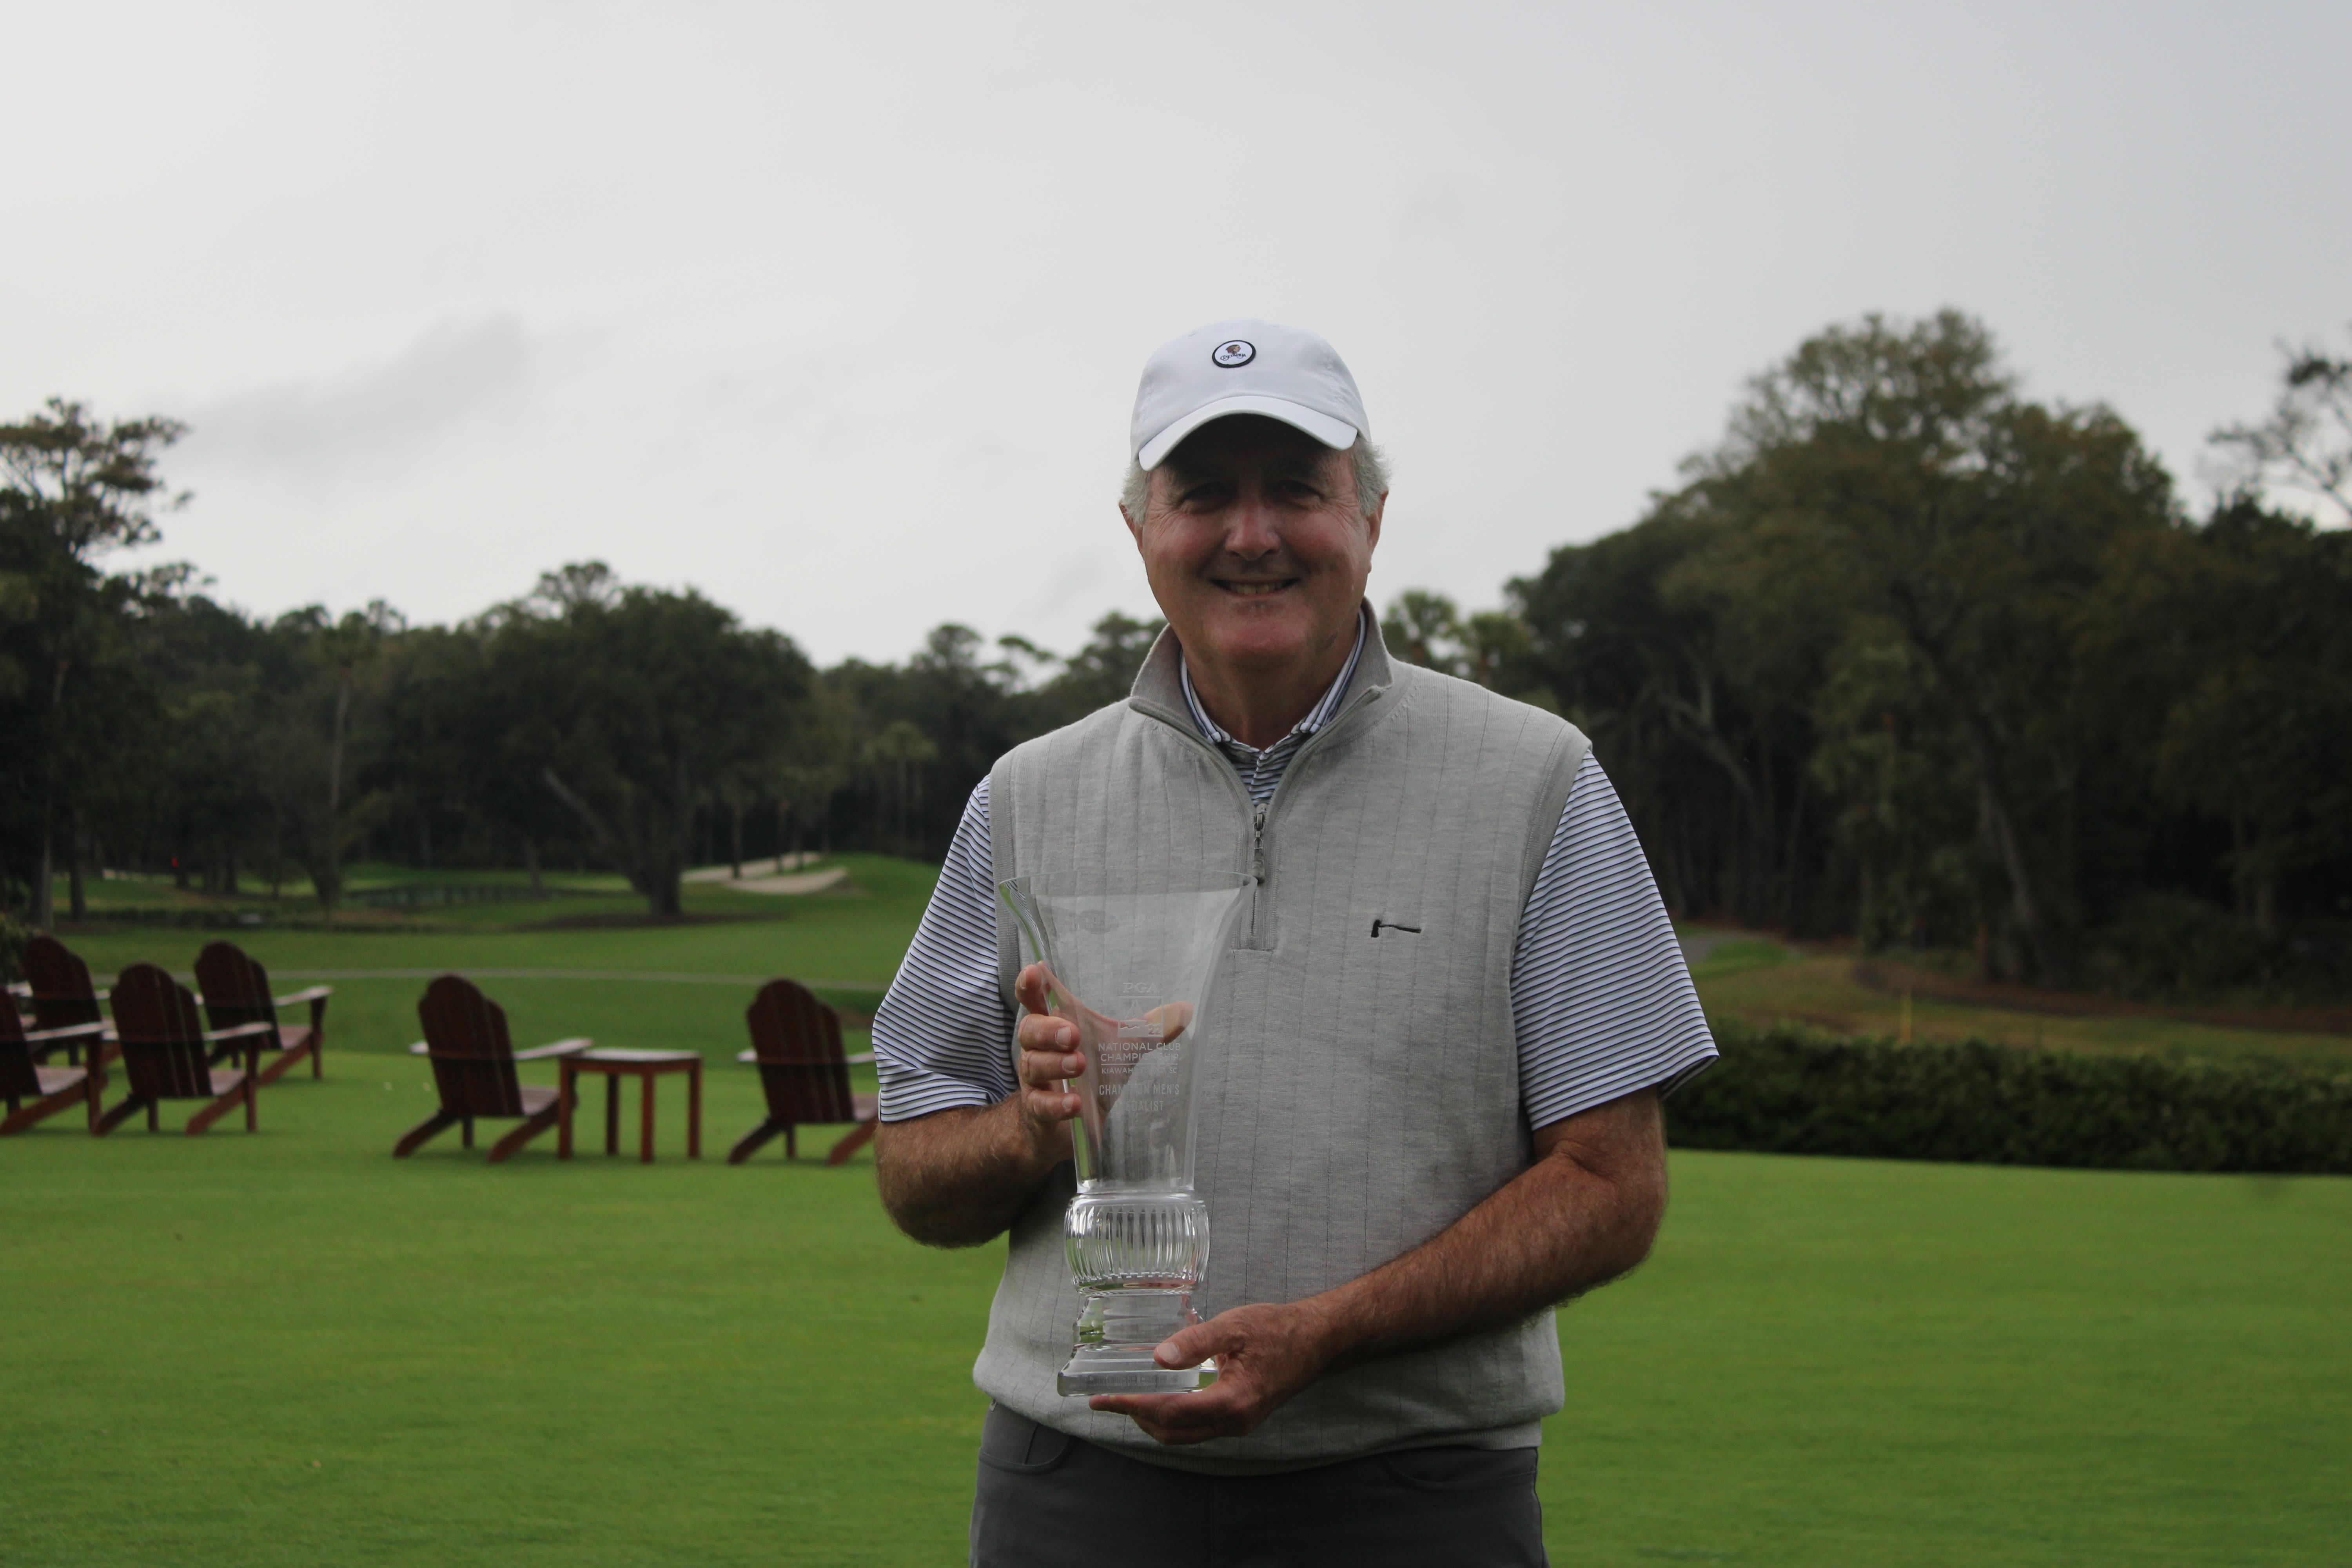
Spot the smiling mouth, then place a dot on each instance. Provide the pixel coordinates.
(1257, 590)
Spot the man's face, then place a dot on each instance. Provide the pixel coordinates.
(1255, 545)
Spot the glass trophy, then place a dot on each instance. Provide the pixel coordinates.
(1130, 959)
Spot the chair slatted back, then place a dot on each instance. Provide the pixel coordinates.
(63, 995)
(19, 1080)
(162, 1036)
(796, 1040)
(235, 989)
(473, 1059)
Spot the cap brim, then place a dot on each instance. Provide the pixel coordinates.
(1336, 434)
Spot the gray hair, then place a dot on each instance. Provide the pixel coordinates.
(1370, 464)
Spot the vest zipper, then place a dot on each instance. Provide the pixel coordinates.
(1258, 813)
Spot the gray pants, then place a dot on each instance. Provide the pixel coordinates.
(1046, 1499)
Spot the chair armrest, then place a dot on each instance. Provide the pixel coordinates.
(860, 1057)
(21, 988)
(316, 993)
(747, 1055)
(240, 1031)
(539, 1053)
(69, 1032)
(560, 1048)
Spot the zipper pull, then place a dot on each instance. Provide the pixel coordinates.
(1257, 841)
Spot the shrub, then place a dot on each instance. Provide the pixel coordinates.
(13, 938)
(2168, 948)
(1783, 1090)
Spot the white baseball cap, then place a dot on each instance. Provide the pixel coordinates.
(1244, 367)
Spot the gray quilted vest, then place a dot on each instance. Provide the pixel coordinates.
(1362, 1093)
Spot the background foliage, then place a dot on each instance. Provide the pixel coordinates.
(1785, 1091)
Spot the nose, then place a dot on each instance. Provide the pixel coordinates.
(1250, 529)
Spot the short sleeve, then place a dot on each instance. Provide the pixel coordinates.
(1600, 998)
(944, 1035)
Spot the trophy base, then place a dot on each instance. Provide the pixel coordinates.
(1129, 1369)
(1116, 1334)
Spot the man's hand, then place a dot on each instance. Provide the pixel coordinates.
(1264, 1354)
(1049, 1059)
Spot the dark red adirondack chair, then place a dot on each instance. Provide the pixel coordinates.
(51, 1090)
(473, 1069)
(236, 991)
(168, 1054)
(796, 1045)
(58, 985)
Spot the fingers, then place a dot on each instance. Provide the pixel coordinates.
(1264, 1354)
(1029, 988)
(1049, 1052)
(1048, 1058)
(1223, 1409)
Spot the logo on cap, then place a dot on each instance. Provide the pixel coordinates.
(1234, 354)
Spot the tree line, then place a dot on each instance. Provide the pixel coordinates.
(1907, 654)
(1912, 656)
(590, 721)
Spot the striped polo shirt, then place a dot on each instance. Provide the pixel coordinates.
(1601, 1002)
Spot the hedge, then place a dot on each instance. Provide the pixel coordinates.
(1787, 1091)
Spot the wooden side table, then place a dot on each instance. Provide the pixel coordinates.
(645, 1067)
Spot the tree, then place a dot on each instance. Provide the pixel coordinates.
(1496, 649)
(2306, 443)
(208, 766)
(640, 704)
(77, 488)
(1100, 673)
(1423, 629)
(1893, 472)
(1699, 713)
(324, 690)
(2259, 730)
(816, 766)
(895, 760)
(349, 643)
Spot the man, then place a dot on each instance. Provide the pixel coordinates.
(1433, 1114)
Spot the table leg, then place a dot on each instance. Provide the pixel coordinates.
(612, 1113)
(694, 1112)
(645, 1118)
(565, 1080)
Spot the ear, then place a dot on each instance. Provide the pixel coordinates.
(1133, 527)
(1372, 522)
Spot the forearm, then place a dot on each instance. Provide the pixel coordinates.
(958, 1178)
(1560, 1227)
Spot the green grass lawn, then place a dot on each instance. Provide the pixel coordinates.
(290, 1347)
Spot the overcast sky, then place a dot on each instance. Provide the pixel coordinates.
(835, 312)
